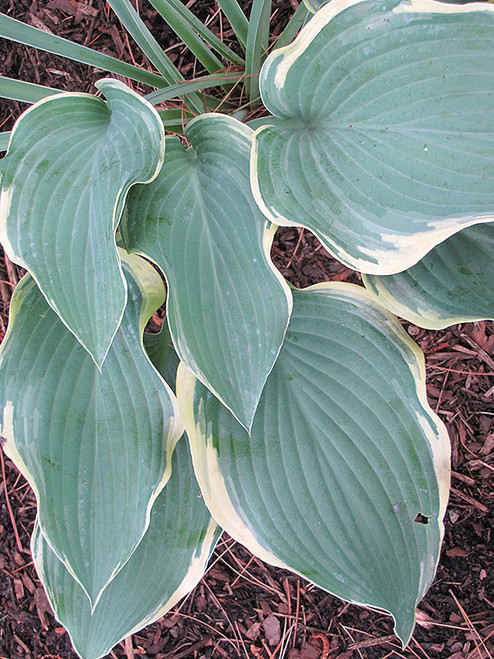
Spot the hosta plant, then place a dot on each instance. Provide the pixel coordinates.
(299, 416)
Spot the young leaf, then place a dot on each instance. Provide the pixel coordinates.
(228, 307)
(454, 283)
(70, 162)
(382, 144)
(166, 565)
(94, 445)
(343, 456)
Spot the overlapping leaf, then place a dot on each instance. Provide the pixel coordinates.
(94, 445)
(344, 455)
(228, 308)
(166, 565)
(383, 143)
(453, 283)
(70, 162)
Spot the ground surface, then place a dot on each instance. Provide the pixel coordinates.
(242, 607)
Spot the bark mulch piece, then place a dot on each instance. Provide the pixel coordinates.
(243, 607)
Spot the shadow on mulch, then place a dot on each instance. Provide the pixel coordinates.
(242, 607)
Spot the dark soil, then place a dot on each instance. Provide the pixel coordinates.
(233, 611)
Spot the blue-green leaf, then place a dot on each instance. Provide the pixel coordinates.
(228, 307)
(382, 142)
(94, 445)
(454, 283)
(166, 565)
(343, 456)
(70, 162)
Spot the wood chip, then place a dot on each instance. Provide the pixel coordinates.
(272, 629)
(468, 499)
(73, 7)
(37, 22)
(43, 608)
(458, 552)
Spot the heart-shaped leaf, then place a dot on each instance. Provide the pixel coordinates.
(69, 165)
(344, 460)
(227, 307)
(382, 144)
(454, 283)
(94, 445)
(166, 565)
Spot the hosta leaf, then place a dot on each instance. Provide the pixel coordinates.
(166, 565)
(70, 162)
(453, 283)
(227, 307)
(94, 445)
(383, 143)
(344, 454)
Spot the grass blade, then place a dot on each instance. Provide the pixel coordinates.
(26, 92)
(167, 7)
(149, 46)
(257, 45)
(183, 88)
(237, 20)
(294, 24)
(190, 38)
(15, 30)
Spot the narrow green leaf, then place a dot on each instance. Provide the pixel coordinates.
(163, 7)
(15, 30)
(343, 455)
(454, 283)
(70, 162)
(182, 88)
(257, 45)
(177, 20)
(166, 565)
(150, 47)
(26, 92)
(237, 19)
(228, 307)
(382, 142)
(94, 445)
(294, 24)
(174, 119)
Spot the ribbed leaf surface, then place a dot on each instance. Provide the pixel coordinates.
(453, 283)
(70, 162)
(166, 565)
(94, 445)
(384, 140)
(344, 454)
(228, 308)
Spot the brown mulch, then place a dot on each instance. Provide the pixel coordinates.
(243, 607)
